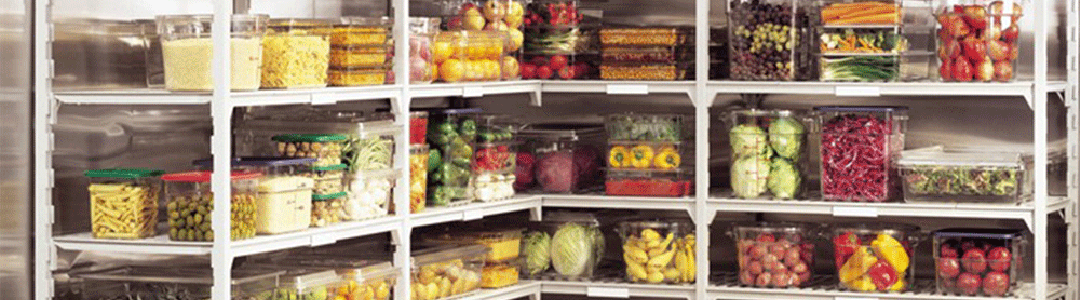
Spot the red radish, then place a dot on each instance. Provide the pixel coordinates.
(996, 284)
(948, 267)
(528, 71)
(949, 251)
(1003, 70)
(544, 72)
(558, 62)
(985, 71)
(962, 70)
(974, 260)
(1000, 258)
(969, 283)
(998, 50)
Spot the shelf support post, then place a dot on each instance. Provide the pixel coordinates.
(400, 15)
(44, 107)
(220, 149)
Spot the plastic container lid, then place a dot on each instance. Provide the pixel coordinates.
(324, 197)
(861, 108)
(259, 162)
(310, 138)
(311, 280)
(331, 167)
(980, 233)
(570, 131)
(123, 173)
(456, 111)
(204, 176)
(941, 158)
(440, 254)
(202, 276)
(887, 228)
(366, 22)
(567, 217)
(771, 226)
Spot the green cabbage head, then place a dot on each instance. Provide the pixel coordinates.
(749, 176)
(572, 249)
(784, 179)
(537, 252)
(785, 137)
(748, 140)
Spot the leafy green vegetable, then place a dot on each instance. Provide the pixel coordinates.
(749, 176)
(537, 252)
(962, 181)
(572, 249)
(785, 137)
(860, 68)
(748, 140)
(784, 179)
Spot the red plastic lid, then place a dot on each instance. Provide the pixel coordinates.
(204, 176)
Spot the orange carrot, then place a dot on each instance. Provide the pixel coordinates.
(836, 10)
(891, 18)
(871, 11)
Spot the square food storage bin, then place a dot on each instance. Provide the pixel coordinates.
(296, 53)
(649, 182)
(875, 258)
(774, 255)
(658, 251)
(362, 31)
(644, 36)
(448, 55)
(371, 193)
(978, 40)
(561, 65)
(948, 176)
(190, 203)
(186, 51)
(547, 149)
(978, 262)
(422, 31)
(502, 244)
(501, 274)
(494, 157)
(284, 194)
(328, 209)
(886, 67)
(652, 71)
(645, 127)
(869, 138)
(123, 202)
(308, 285)
(327, 148)
(371, 281)
(492, 186)
(564, 233)
(372, 146)
(178, 283)
(768, 153)
(361, 56)
(328, 179)
(860, 41)
(418, 125)
(645, 155)
(444, 272)
(646, 54)
(452, 133)
(359, 76)
(852, 13)
(769, 40)
(419, 158)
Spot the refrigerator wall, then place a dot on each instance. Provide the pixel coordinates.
(15, 180)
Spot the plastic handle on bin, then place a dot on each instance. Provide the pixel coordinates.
(606, 292)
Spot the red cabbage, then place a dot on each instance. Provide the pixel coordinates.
(855, 159)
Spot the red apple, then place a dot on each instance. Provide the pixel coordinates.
(969, 283)
(791, 257)
(1003, 71)
(763, 279)
(998, 50)
(954, 25)
(949, 251)
(974, 49)
(758, 251)
(975, 16)
(948, 267)
(781, 279)
(768, 259)
(800, 268)
(952, 48)
(998, 8)
(558, 62)
(1010, 34)
(567, 73)
(528, 71)
(985, 71)
(992, 33)
(777, 250)
(544, 72)
(946, 70)
(746, 278)
(996, 284)
(1000, 259)
(962, 70)
(974, 260)
(756, 267)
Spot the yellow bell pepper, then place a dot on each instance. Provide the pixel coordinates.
(863, 283)
(667, 159)
(641, 156)
(619, 157)
(857, 266)
(899, 285)
(892, 251)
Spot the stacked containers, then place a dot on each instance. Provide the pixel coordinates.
(361, 52)
(421, 62)
(858, 145)
(187, 51)
(326, 148)
(493, 159)
(950, 176)
(777, 255)
(296, 53)
(190, 203)
(658, 251)
(446, 271)
(372, 176)
(555, 42)
(370, 193)
(645, 156)
(655, 53)
(308, 285)
(328, 209)
(173, 283)
(983, 262)
(768, 153)
(978, 40)
(452, 132)
(448, 56)
(865, 40)
(419, 155)
(501, 264)
(500, 21)
(123, 202)
(547, 149)
(875, 258)
(283, 203)
(769, 40)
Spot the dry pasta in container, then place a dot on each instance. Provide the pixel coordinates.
(296, 53)
(123, 202)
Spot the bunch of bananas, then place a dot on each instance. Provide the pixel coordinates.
(652, 259)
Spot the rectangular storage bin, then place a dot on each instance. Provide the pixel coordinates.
(855, 40)
(359, 76)
(187, 49)
(874, 67)
(768, 153)
(190, 203)
(645, 127)
(559, 228)
(284, 194)
(422, 32)
(296, 53)
(308, 285)
(649, 182)
(978, 262)
(371, 193)
(123, 202)
(875, 258)
(361, 56)
(644, 36)
(174, 283)
(484, 52)
(452, 133)
(645, 155)
(774, 255)
(501, 274)
(769, 40)
(978, 40)
(328, 209)
(326, 148)
(651, 72)
(948, 176)
(860, 12)
(444, 272)
(562, 65)
(502, 244)
(418, 125)
(647, 243)
(546, 144)
(362, 31)
(867, 137)
(418, 177)
(372, 281)
(646, 54)
(372, 146)
(493, 157)
(448, 52)
(488, 186)
(329, 179)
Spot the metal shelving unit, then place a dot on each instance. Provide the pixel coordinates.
(702, 207)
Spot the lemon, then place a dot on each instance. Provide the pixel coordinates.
(452, 70)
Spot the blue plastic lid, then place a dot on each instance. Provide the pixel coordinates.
(980, 233)
(259, 162)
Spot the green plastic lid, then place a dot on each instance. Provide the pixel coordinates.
(123, 173)
(324, 197)
(310, 138)
(330, 167)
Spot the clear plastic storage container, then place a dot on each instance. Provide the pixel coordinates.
(644, 36)
(307, 285)
(187, 51)
(328, 209)
(843, 13)
(566, 233)
(372, 147)
(947, 176)
(769, 40)
(493, 157)
(649, 182)
(653, 72)
(190, 203)
(123, 202)
(503, 245)
(978, 40)
(418, 177)
(421, 61)
(877, 258)
(361, 56)
(449, 56)
(776, 255)
(173, 283)
(645, 127)
(296, 53)
(768, 153)
(501, 274)
(371, 193)
(371, 281)
(327, 148)
(362, 31)
(284, 194)
(644, 155)
(658, 251)
(452, 132)
(492, 186)
(439, 273)
(418, 126)
(359, 76)
(548, 146)
(646, 54)
(978, 262)
(329, 179)
(557, 65)
(868, 138)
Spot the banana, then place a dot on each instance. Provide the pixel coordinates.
(673, 275)
(681, 263)
(655, 277)
(667, 241)
(635, 254)
(691, 265)
(660, 261)
(636, 270)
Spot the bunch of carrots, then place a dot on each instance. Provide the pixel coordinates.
(861, 13)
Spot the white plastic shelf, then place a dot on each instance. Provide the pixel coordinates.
(259, 244)
(474, 89)
(617, 288)
(685, 203)
(523, 288)
(619, 87)
(318, 96)
(475, 211)
(871, 89)
(824, 288)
